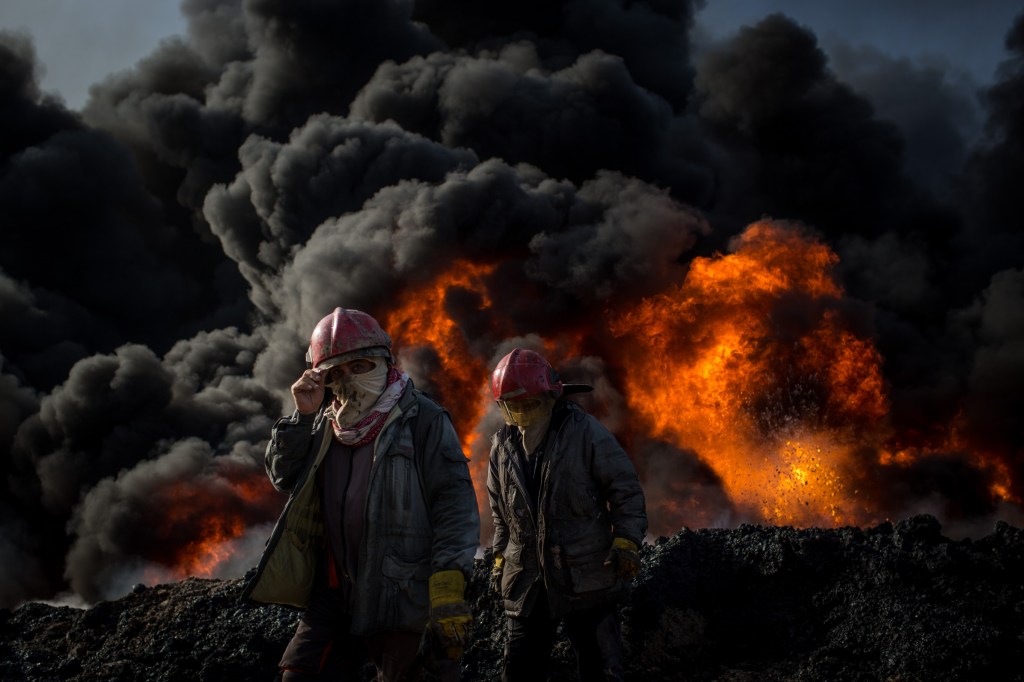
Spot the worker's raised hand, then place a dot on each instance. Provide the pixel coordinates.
(308, 391)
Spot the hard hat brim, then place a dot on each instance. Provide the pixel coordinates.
(373, 351)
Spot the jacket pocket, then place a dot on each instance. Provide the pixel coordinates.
(406, 599)
(584, 552)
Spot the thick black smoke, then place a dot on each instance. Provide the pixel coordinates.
(167, 249)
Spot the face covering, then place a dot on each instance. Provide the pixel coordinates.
(533, 435)
(355, 394)
(531, 416)
(527, 412)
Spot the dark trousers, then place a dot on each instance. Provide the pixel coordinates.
(593, 633)
(323, 648)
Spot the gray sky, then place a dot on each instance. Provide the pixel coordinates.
(969, 35)
(82, 41)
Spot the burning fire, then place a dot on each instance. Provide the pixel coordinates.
(749, 364)
(904, 451)
(752, 362)
(420, 321)
(201, 522)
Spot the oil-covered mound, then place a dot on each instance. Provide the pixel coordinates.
(893, 602)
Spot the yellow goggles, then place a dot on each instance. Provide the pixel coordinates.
(526, 412)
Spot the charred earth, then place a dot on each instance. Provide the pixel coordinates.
(893, 602)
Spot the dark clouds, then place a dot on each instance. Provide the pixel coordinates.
(650, 36)
(313, 56)
(631, 247)
(159, 509)
(996, 240)
(934, 107)
(330, 166)
(819, 152)
(994, 390)
(116, 412)
(508, 104)
(167, 251)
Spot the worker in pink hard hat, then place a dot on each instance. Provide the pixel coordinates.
(569, 517)
(377, 539)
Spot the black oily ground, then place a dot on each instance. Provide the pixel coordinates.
(895, 602)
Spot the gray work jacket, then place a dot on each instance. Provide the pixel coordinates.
(421, 515)
(589, 493)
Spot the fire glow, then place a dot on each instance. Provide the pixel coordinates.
(750, 362)
(420, 321)
(213, 513)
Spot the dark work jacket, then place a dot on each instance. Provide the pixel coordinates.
(589, 493)
(421, 515)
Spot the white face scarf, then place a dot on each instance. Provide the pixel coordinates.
(355, 394)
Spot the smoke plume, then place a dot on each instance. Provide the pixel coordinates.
(795, 280)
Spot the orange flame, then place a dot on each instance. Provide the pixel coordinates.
(714, 368)
(201, 520)
(750, 362)
(907, 449)
(419, 320)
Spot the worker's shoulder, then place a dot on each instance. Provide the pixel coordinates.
(583, 420)
(575, 412)
(428, 405)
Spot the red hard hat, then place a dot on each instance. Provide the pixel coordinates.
(524, 374)
(347, 334)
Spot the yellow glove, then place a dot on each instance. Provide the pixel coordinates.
(625, 557)
(499, 566)
(451, 621)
